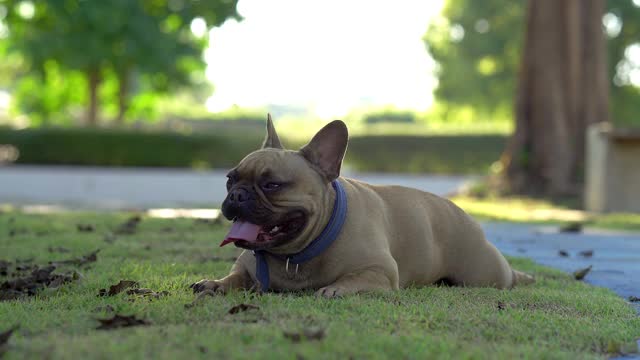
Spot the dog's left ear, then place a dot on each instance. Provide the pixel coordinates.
(271, 140)
(327, 148)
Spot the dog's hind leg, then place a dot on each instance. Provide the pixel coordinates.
(484, 266)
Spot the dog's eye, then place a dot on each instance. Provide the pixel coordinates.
(270, 186)
(229, 182)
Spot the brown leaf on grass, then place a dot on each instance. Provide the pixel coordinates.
(581, 273)
(563, 253)
(4, 339)
(129, 227)
(121, 286)
(4, 267)
(306, 334)
(243, 307)
(14, 232)
(82, 260)
(58, 249)
(85, 228)
(39, 278)
(586, 253)
(147, 293)
(120, 321)
(634, 299)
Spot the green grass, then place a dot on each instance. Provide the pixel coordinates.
(527, 210)
(555, 318)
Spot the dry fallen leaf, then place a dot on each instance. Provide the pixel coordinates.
(85, 228)
(581, 273)
(120, 321)
(147, 293)
(306, 334)
(573, 227)
(89, 258)
(39, 278)
(586, 253)
(129, 227)
(58, 249)
(117, 288)
(242, 307)
(4, 338)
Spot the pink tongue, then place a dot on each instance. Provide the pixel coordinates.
(242, 230)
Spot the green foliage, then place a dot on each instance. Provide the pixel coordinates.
(390, 116)
(477, 45)
(557, 317)
(100, 147)
(136, 46)
(443, 154)
(221, 144)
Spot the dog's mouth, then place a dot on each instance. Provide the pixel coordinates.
(247, 235)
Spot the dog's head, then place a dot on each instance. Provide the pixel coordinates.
(280, 199)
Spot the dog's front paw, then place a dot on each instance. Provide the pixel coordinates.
(332, 291)
(215, 286)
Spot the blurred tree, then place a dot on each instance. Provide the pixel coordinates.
(146, 44)
(477, 46)
(562, 88)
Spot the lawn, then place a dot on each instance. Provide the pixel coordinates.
(557, 317)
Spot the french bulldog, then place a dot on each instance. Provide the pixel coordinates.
(303, 226)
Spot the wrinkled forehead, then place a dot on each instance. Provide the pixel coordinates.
(270, 163)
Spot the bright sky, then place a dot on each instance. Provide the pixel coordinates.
(330, 56)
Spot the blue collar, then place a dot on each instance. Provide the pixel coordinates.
(316, 247)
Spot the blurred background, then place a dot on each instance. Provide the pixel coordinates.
(146, 103)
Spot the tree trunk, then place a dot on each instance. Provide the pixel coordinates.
(123, 95)
(93, 76)
(562, 89)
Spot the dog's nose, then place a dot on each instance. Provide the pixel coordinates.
(238, 195)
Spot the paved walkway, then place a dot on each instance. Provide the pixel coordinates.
(123, 188)
(615, 260)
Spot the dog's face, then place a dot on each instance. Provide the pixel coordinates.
(277, 198)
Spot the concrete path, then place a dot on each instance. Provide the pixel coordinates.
(615, 260)
(125, 188)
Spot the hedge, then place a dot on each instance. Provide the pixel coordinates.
(441, 154)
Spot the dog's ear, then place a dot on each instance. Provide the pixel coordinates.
(271, 140)
(327, 148)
